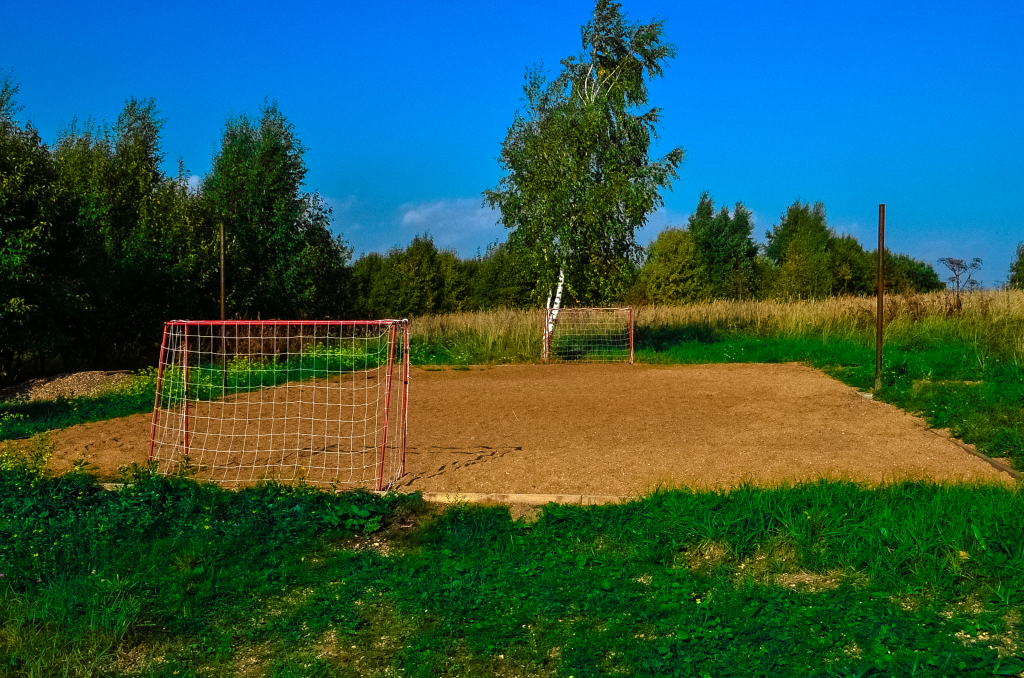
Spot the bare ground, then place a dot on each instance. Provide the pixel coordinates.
(624, 430)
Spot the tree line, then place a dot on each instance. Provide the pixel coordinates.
(100, 245)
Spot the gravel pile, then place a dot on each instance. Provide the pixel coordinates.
(69, 385)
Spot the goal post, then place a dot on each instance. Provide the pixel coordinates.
(323, 401)
(587, 335)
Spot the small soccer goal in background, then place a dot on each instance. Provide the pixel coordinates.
(321, 401)
(588, 335)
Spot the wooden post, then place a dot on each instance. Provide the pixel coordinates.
(880, 313)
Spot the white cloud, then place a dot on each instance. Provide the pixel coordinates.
(462, 224)
(193, 182)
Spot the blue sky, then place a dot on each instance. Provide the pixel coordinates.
(403, 106)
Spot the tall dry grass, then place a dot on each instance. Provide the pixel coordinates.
(991, 320)
(499, 336)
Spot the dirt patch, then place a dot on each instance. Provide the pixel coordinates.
(624, 430)
(68, 385)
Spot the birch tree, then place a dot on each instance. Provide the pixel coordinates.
(578, 177)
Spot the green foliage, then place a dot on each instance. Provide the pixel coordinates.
(903, 274)
(281, 257)
(421, 280)
(40, 284)
(504, 279)
(675, 272)
(799, 246)
(414, 281)
(851, 268)
(726, 247)
(82, 569)
(9, 106)
(1016, 278)
(578, 179)
(822, 579)
(814, 262)
(100, 247)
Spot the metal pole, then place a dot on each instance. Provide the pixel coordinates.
(223, 328)
(222, 270)
(387, 408)
(880, 312)
(630, 335)
(405, 395)
(184, 369)
(156, 402)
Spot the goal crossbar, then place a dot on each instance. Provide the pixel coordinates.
(321, 401)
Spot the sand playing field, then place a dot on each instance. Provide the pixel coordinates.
(623, 430)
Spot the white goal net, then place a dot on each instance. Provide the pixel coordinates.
(588, 335)
(320, 401)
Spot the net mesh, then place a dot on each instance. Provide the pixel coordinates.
(324, 401)
(588, 335)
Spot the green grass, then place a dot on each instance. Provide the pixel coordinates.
(169, 577)
(84, 572)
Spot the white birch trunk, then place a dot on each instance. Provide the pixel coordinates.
(553, 311)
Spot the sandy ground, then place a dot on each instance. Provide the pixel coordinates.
(624, 430)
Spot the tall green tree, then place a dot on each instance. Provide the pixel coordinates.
(799, 246)
(904, 274)
(851, 268)
(578, 178)
(39, 249)
(726, 246)
(675, 272)
(504, 279)
(1016, 279)
(282, 261)
(147, 248)
(413, 281)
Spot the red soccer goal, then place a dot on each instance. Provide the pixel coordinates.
(322, 401)
(588, 335)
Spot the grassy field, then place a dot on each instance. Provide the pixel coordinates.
(168, 577)
(172, 578)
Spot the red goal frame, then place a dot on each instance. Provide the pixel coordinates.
(275, 366)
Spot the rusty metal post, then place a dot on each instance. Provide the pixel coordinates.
(880, 312)
(159, 383)
(223, 327)
(222, 270)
